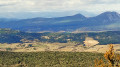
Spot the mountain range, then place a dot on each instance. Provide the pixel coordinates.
(107, 21)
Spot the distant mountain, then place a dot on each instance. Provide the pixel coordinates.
(107, 21)
(102, 21)
(110, 16)
(76, 17)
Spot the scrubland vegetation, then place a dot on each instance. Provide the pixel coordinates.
(48, 59)
(60, 59)
(22, 49)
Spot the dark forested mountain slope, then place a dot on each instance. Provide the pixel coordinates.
(12, 36)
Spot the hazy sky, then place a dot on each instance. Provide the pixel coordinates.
(92, 6)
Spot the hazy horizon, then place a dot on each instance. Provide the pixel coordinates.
(55, 8)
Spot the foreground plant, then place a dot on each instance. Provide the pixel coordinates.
(113, 60)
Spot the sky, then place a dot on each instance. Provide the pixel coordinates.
(53, 8)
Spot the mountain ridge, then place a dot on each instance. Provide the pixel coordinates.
(67, 23)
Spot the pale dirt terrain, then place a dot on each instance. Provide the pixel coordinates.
(67, 47)
(90, 46)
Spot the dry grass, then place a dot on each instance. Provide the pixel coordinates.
(68, 47)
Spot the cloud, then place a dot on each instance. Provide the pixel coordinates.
(4, 3)
(59, 5)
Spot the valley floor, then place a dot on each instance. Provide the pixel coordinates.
(67, 47)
